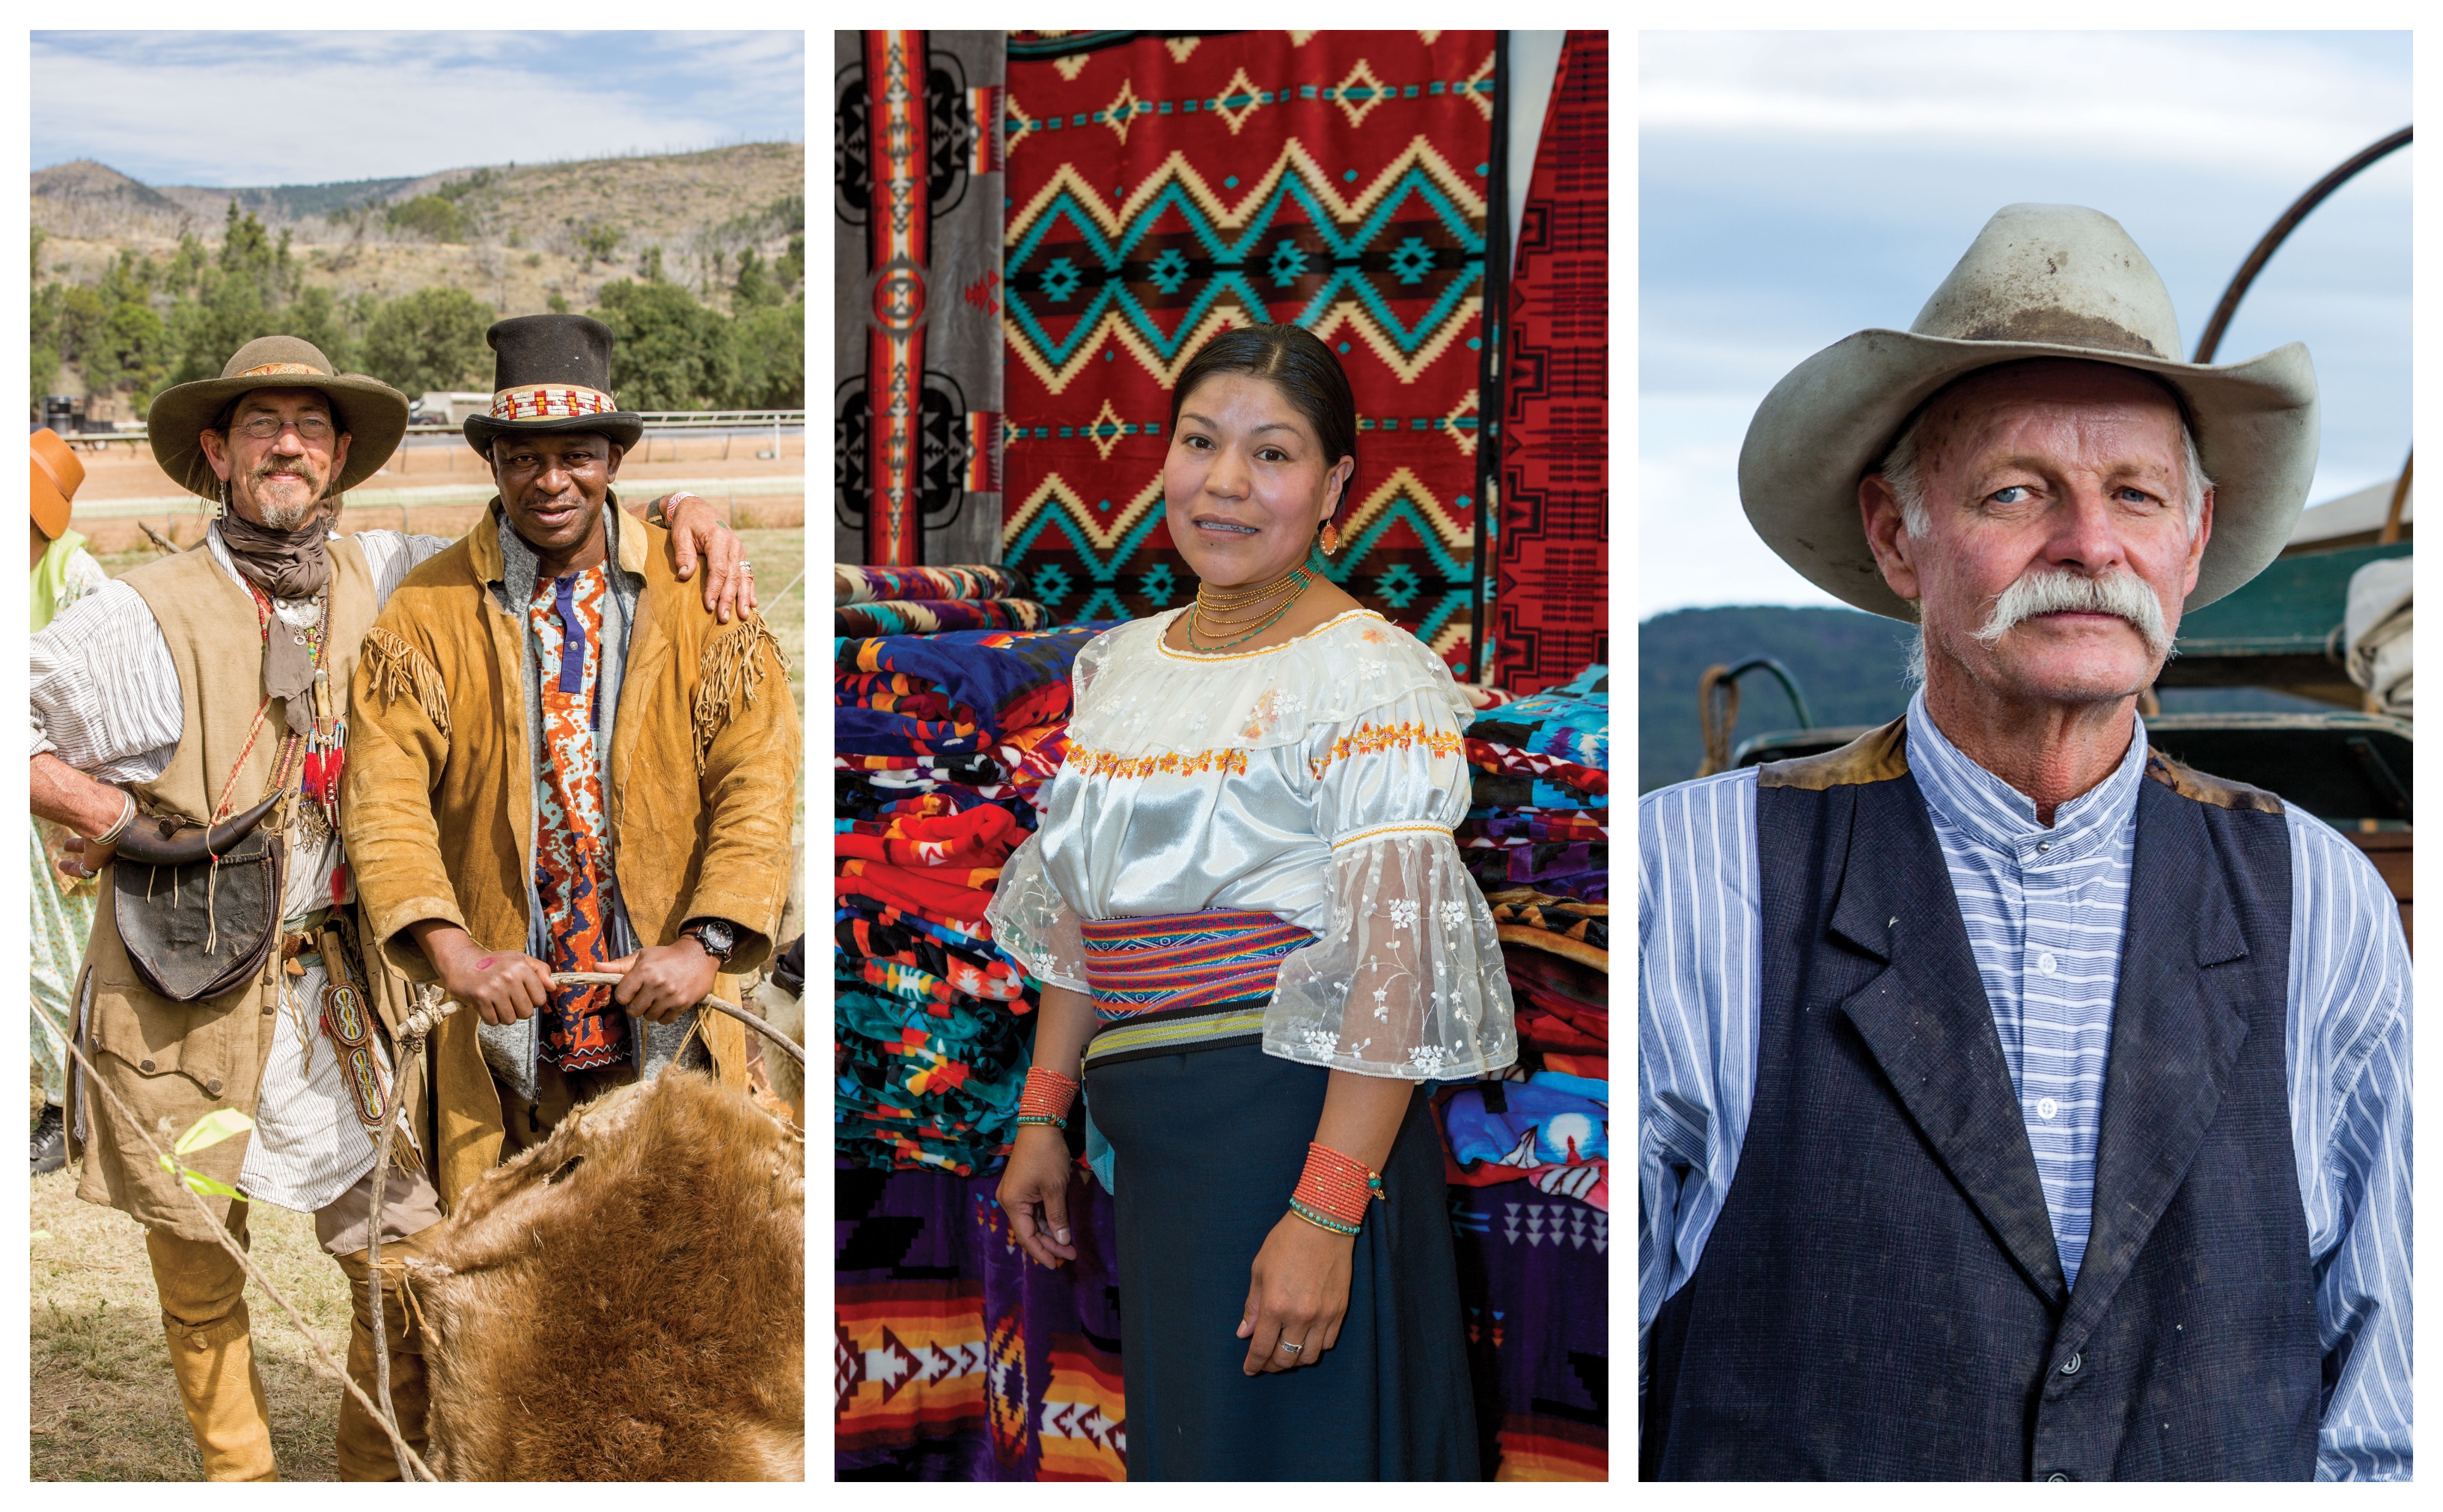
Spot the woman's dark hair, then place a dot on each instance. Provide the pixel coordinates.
(1293, 359)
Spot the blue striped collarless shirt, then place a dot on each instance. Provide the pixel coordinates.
(2046, 911)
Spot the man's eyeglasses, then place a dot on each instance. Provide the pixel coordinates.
(263, 427)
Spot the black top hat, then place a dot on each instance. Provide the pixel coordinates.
(551, 373)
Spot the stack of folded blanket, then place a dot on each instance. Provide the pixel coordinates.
(940, 743)
(928, 600)
(1537, 842)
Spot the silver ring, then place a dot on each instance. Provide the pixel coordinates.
(1295, 1349)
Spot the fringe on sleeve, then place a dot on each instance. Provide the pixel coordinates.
(399, 671)
(730, 677)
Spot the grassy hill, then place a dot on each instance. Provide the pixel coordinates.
(512, 235)
(1848, 665)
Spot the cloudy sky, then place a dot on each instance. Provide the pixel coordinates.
(234, 108)
(1796, 187)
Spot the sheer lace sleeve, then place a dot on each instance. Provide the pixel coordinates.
(1032, 923)
(1408, 980)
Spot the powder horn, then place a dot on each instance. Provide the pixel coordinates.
(152, 842)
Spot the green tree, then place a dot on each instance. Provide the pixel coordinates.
(432, 339)
(315, 314)
(187, 266)
(246, 253)
(673, 352)
(791, 268)
(206, 329)
(129, 352)
(34, 269)
(42, 343)
(596, 240)
(753, 291)
(78, 323)
(771, 346)
(431, 217)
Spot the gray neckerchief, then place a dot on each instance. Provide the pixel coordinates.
(513, 1049)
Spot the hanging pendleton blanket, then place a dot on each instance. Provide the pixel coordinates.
(916, 336)
(1551, 611)
(1163, 189)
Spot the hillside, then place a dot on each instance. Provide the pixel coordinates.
(512, 235)
(1848, 665)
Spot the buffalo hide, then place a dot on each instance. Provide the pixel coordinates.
(627, 1301)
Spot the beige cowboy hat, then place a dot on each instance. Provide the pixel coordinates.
(2055, 281)
(371, 413)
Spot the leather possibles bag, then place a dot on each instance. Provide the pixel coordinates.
(192, 935)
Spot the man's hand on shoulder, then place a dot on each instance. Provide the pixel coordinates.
(728, 579)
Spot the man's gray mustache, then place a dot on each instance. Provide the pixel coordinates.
(2123, 595)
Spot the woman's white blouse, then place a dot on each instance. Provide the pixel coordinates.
(1317, 781)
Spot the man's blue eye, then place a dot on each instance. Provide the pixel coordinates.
(2008, 495)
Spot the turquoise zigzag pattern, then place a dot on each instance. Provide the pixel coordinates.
(1232, 259)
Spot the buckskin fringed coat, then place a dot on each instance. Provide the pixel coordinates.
(703, 779)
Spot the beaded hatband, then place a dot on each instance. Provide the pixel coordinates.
(1184, 960)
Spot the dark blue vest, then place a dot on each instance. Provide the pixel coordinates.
(1882, 1298)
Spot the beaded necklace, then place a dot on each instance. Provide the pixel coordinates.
(1299, 578)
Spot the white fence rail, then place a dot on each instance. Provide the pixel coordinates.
(655, 421)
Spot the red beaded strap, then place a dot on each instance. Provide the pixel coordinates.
(1336, 1185)
(1047, 1096)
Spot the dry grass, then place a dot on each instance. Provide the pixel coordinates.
(101, 1403)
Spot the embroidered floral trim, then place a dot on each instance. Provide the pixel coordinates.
(1088, 763)
(1373, 740)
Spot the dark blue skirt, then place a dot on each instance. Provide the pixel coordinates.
(1209, 1145)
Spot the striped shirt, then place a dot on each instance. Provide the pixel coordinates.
(2044, 910)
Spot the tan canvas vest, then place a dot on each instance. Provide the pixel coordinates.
(175, 1062)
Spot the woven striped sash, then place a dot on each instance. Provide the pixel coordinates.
(1184, 960)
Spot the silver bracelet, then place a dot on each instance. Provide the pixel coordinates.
(126, 817)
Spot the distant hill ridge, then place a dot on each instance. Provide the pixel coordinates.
(655, 198)
(89, 181)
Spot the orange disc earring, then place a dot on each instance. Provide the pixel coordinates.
(1330, 538)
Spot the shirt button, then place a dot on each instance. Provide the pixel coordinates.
(2070, 1366)
(2042, 846)
(147, 1066)
(2046, 1107)
(2057, 1476)
(2046, 963)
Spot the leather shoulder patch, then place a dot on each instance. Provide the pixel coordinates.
(2220, 792)
(1873, 756)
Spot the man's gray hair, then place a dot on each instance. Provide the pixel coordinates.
(1903, 471)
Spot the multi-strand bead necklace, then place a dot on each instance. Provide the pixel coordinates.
(1218, 613)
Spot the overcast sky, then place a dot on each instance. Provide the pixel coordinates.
(1796, 187)
(230, 108)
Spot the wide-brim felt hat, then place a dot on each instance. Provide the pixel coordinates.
(371, 413)
(2041, 281)
(551, 373)
(57, 473)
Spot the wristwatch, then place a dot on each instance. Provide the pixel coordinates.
(719, 937)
